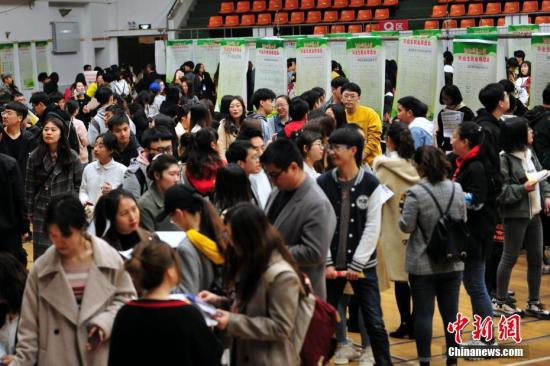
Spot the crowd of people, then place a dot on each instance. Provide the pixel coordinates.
(271, 200)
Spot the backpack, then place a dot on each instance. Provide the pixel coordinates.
(142, 182)
(315, 324)
(450, 236)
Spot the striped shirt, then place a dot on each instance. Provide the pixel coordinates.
(77, 276)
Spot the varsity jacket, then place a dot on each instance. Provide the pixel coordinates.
(365, 218)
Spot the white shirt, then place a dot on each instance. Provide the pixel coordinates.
(311, 171)
(261, 186)
(95, 175)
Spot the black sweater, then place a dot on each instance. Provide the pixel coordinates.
(157, 332)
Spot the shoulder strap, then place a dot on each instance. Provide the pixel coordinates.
(451, 200)
(433, 198)
(43, 181)
(142, 180)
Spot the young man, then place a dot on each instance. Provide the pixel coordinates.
(313, 99)
(7, 80)
(298, 111)
(412, 112)
(336, 85)
(299, 209)
(356, 197)
(98, 125)
(519, 56)
(243, 153)
(364, 117)
(156, 140)
(127, 144)
(496, 102)
(15, 141)
(262, 99)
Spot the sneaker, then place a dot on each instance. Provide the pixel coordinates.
(501, 308)
(345, 353)
(366, 358)
(537, 310)
(545, 269)
(404, 331)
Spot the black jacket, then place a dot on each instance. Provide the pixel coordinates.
(445, 142)
(539, 120)
(486, 120)
(124, 157)
(27, 145)
(13, 215)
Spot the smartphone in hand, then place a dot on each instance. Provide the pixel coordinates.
(94, 338)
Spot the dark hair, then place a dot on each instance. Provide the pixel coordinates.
(418, 108)
(528, 63)
(118, 119)
(298, 109)
(232, 187)
(20, 109)
(202, 160)
(509, 86)
(520, 54)
(432, 163)
(238, 151)
(189, 64)
(190, 90)
(42, 76)
(55, 97)
(160, 163)
(351, 137)
(105, 211)
(183, 111)
(290, 61)
(322, 93)
(491, 95)
(448, 57)
(198, 68)
(452, 92)
(200, 115)
(325, 125)
(352, 87)
(150, 261)
(513, 134)
(145, 97)
(224, 103)
(72, 106)
(40, 97)
(103, 95)
(64, 152)
(12, 284)
(261, 94)
(157, 133)
(250, 128)
(305, 139)
(311, 97)
(173, 94)
(339, 114)
(546, 94)
(67, 213)
(401, 137)
(282, 153)
(109, 141)
(254, 240)
(231, 126)
(338, 82)
(54, 76)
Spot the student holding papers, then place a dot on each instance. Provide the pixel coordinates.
(451, 116)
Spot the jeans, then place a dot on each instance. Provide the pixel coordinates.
(425, 289)
(474, 282)
(368, 296)
(516, 233)
(341, 327)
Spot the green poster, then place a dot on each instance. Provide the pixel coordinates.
(427, 32)
(178, 51)
(540, 67)
(207, 52)
(313, 61)
(366, 59)
(475, 65)
(481, 30)
(271, 65)
(233, 68)
(25, 65)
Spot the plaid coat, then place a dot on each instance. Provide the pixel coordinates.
(63, 179)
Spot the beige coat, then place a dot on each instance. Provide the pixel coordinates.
(398, 175)
(261, 334)
(53, 331)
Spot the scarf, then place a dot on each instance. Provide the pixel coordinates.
(460, 161)
(206, 246)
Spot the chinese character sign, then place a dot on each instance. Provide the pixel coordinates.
(540, 68)
(233, 68)
(177, 52)
(207, 52)
(313, 64)
(271, 65)
(507, 328)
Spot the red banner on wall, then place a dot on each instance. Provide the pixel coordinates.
(393, 25)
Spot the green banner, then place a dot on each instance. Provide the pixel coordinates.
(313, 64)
(427, 32)
(523, 28)
(270, 65)
(385, 33)
(540, 66)
(481, 30)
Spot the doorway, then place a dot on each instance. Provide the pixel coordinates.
(136, 51)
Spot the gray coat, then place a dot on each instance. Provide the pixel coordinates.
(307, 223)
(196, 270)
(420, 211)
(151, 204)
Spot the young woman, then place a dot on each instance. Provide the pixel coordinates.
(172, 101)
(199, 117)
(451, 98)
(204, 85)
(282, 104)
(475, 167)
(338, 113)
(164, 172)
(395, 170)
(310, 145)
(80, 96)
(201, 252)
(523, 82)
(202, 160)
(263, 314)
(52, 169)
(183, 121)
(231, 123)
(521, 203)
(72, 108)
(104, 174)
(12, 283)
(171, 329)
(72, 294)
(117, 218)
(429, 279)
(232, 187)
(188, 94)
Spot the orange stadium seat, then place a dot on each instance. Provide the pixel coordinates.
(275, 5)
(364, 14)
(215, 21)
(307, 4)
(297, 17)
(439, 11)
(487, 22)
(467, 23)
(492, 8)
(242, 7)
(320, 29)
(457, 10)
(248, 20)
(280, 18)
(291, 4)
(444, 1)
(232, 21)
(382, 14)
(338, 4)
(530, 7)
(264, 19)
(511, 7)
(324, 4)
(542, 20)
(431, 24)
(449, 24)
(373, 3)
(545, 6)
(330, 16)
(259, 6)
(391, 2)
(227, 7)
(347, 16)
(313, 17)
(501, 22)
(355, 3)
(355, 28)
(475, 9)
(338, 28)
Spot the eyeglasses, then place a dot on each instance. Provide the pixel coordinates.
(349, 96)
(337, 147)
(274, 175)
(8, 113)
(162, 150)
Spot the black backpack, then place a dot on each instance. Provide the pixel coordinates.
(450, 236)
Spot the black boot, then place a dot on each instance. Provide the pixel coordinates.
(405, 331)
